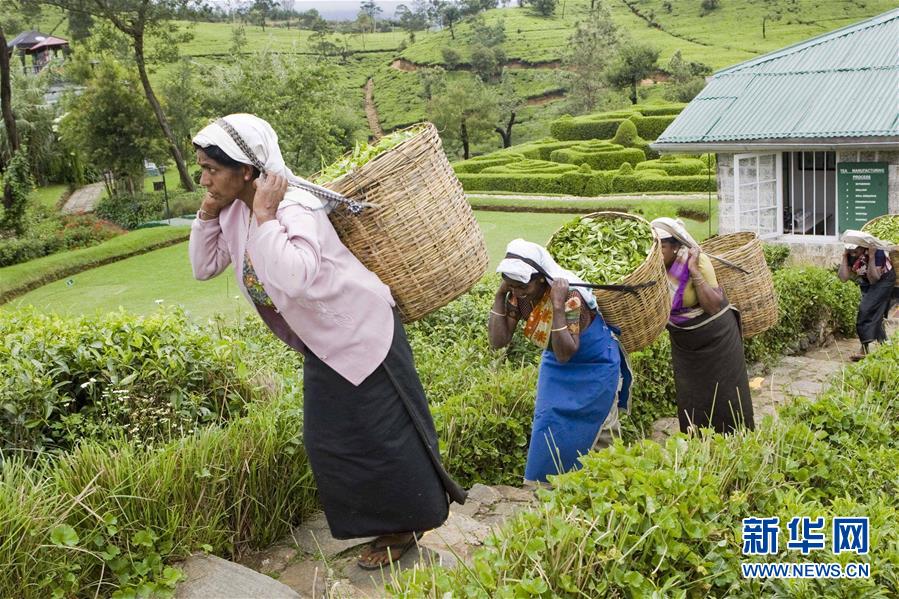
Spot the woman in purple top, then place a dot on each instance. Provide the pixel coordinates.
(367, 429)
(710, 376)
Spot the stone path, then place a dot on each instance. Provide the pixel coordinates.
(316, 565)
(371, 110)
(84, 199)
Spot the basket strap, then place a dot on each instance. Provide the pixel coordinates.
(620, 288)
(322, 193)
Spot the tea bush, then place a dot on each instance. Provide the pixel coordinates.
(650, 520)
(149, 379)
(129, 211)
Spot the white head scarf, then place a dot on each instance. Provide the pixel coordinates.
(865, 240)
(262, 141)
(667, 228)
(520, 271)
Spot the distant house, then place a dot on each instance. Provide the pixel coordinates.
(807, 137)
(42, 49)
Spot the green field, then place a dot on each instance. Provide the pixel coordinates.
(136, 284)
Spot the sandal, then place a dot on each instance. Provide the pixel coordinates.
(382, 552)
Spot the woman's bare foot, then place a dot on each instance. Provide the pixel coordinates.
(385, 550)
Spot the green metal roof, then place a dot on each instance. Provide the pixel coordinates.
(843, 84)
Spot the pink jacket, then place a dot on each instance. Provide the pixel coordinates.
(338, 308)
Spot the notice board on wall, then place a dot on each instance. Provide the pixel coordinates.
(862, 192)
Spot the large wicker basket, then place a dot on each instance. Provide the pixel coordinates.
(642, 316)
(422, 240)
(753, 293)
(894, 255)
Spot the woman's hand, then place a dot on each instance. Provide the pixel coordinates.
(693, 262)
(210, 206)
(504, 288)
(559, 293)
(270, 190)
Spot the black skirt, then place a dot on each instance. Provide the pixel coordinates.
(874, 308)
(373, 448)
(710, 373)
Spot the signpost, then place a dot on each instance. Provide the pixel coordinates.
(862, 192)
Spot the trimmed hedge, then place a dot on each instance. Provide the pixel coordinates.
(530, 167)
(599, 155)
(680, 166)
(583, 128)
(651, 127)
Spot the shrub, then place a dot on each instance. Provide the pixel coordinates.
(651, 127)
(598, 155)
(71, 232)
(530, 167)
(679, 166)
(662, 520)
(150, 378)
(129, 211)
(451, 57)
(775, 255)
(575, 129)
(626, 134)
(18, 180)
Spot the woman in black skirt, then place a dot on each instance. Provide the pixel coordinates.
(368, 433)
(710, 375)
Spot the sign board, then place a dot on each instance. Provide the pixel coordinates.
(862, 192)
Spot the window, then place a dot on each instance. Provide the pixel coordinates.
(809, 193)
(757, 193)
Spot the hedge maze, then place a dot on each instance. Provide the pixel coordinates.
(590, 155)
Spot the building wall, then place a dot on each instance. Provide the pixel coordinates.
(890, 157)
(814, 252)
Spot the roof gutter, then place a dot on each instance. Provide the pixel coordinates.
(798, 145)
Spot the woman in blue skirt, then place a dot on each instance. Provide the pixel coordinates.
(584, 376)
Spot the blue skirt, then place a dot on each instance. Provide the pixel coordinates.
(574, 399)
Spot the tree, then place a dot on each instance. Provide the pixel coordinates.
(433, 81)
(465, 112)
(369, 11)
(18, 183)
(634, 62)
(451, 57)
(544, 8)
(80, 26)
(449, 14)
(775, 11)
(261, 10)
(509, 104)
(300, 98)
(183, 103)
(114, 126)
(591, 49)
(287, 7)
(707, 6)
(144, 21)
(687, 78)
(411, 20)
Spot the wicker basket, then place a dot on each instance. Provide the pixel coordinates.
(894, 255)
(642, 316)
(753, 293)
(422, 240)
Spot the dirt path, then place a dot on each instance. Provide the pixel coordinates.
(84, 199)
(371, 111)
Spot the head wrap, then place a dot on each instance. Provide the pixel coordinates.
(250, 140)
(521, 271)
(865, 240)
(667, 228)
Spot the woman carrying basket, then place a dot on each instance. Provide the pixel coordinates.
(871, 267)
(367, 430)
(584, 376)
(710, 375)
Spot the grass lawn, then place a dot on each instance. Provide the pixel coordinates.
(136, 283)
(28, 275)
(48, 196)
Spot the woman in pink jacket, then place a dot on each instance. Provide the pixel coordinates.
(367, 429)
